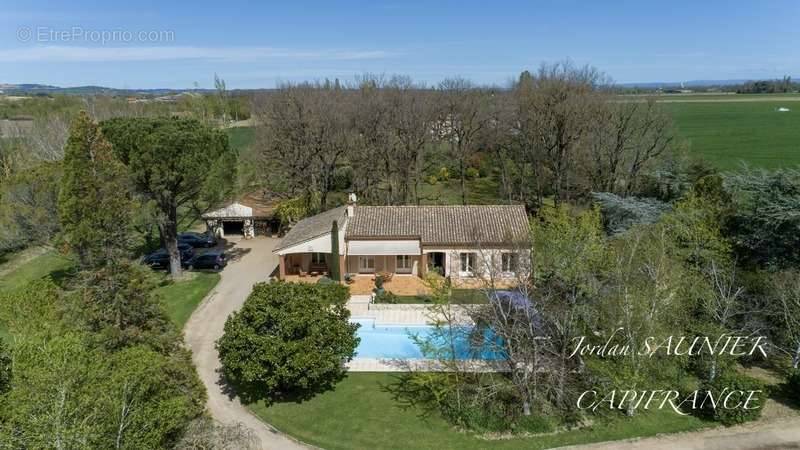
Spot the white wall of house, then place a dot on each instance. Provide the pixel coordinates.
(386, 263)
(486, 262)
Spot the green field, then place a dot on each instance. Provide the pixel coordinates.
(730, 133)
(362, 413)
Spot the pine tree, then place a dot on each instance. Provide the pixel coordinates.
(94, 202)
(335, 275)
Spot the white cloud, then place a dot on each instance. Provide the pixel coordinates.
(95, 54)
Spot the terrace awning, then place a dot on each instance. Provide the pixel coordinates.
(375, 247)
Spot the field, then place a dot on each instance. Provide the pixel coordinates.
(749, 130)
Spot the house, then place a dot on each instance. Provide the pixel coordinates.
(460, 242)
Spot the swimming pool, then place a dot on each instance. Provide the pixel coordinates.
(396, 342)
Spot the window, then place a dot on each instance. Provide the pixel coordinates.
(366, 264)
(509, 262)
(318, 258)
(403, 263)
(467, 263)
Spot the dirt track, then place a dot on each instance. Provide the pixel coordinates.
(252, 261)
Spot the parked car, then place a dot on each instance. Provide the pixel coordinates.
(215, 259)
(159, 259)
(198, 239)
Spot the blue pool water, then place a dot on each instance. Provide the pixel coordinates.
(396, 342)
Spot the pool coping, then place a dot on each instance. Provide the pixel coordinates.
(423, 365)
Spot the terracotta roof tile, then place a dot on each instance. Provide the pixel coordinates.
(441, 225)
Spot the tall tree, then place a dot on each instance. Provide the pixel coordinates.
(335, 269)
(95, 201)
(462, 119)
(179, 164)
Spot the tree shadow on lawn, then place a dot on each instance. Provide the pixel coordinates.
(410, 395)
(252, 393)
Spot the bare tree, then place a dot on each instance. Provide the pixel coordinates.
(463, 116)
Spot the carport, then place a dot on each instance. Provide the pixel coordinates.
(248, 217)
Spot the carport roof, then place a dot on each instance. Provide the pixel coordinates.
(249, 206)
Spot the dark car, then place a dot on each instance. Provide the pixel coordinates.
(160, 257)
(209, 260)
(198, 239)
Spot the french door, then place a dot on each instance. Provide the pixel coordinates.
(366, 264)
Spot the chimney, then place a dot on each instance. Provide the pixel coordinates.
(351, 204)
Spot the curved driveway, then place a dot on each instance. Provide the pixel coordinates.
(252, 261)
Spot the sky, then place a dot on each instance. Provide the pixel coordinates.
(258, 44)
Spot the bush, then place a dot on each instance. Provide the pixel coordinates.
(483, 419)
(325, 280)
(432, 180)
(534, 424)
(386, 297)
(289, 340)
(444, 173)
(793, 384)
(734, 381)
(472, 172)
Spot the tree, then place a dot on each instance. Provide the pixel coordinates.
(94, 202)
(118, 304)
(785, 311)
(206, 434)
(179, 164)
(764, 221)
(148, 399)
(335, 270)
(28, 204)
(462, 118)
(289, 340)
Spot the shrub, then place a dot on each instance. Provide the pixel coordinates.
(472, 172)
(734, 381)
(432, 180)
(289, 340)
(386, 297)
(444, 173)
(793, 384)
(326, 280)
(483, 419)
(534, 424)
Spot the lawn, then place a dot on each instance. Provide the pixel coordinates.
(49, 263)
(181, 298)
(361, 413)
(729, 133)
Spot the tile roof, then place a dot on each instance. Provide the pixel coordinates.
(312, 227)
(441, 225)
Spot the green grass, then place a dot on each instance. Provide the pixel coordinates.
(49, 263)
(729, 133)
(361, 413)
(480, 191)
(240, 138)
(181, 298)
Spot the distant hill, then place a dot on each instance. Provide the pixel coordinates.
(38, 89)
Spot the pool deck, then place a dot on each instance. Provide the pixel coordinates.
(422, 365)
(410, 315)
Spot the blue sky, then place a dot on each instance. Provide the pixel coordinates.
(170, 43)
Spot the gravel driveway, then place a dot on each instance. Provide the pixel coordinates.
(251, 261)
